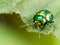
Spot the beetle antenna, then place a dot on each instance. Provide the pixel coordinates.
(24, 25)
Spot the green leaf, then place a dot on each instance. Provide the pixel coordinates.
(28, 8)
(33, 6)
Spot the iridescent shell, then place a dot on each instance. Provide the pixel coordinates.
(47, 15)
(39, 19)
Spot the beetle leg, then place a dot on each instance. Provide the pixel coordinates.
(38, 31)
(51, 28)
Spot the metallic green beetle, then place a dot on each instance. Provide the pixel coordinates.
(43, 18)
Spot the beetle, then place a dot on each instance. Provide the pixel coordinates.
(42, 18)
